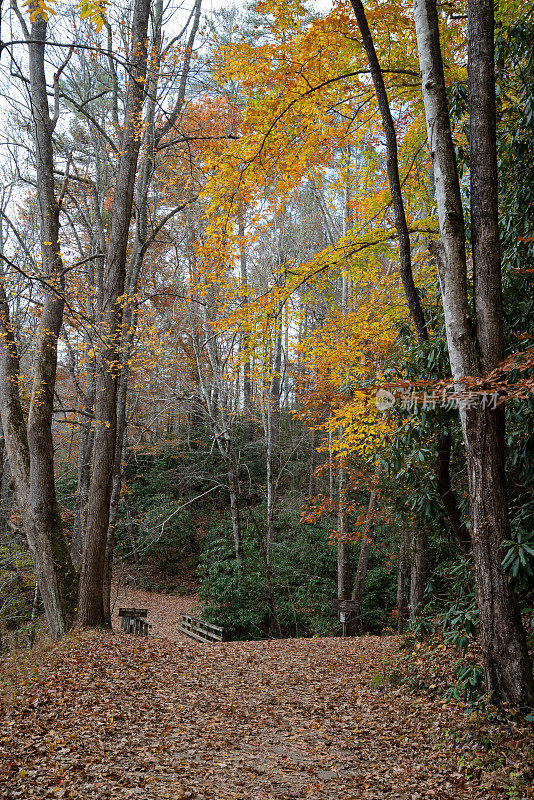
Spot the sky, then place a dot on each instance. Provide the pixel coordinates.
(214, 5)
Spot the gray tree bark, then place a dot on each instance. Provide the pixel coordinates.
(365, 546)
(129, 317)
(151, 138)
(448, 495)
(29, 445)
(247, 383)
(401, 580)
(410, 290)
(85, 454)
(475, 343)
(343, 545)
(417, 572)
(91, 606)
(401, 226)
(218, 412)
(233, 488)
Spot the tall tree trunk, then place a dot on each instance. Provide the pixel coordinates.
(507, 664)
(343, 545)
(330, 471)
(365, 547)
(311, 472)
(268, 577)
(122, 398)
(234, 513)
(34, 488)
(226, 451)
(418, 571)
(401, 579)
(273, 435)
(91, 606)
(448, 495)
(219, 419)
(85, 457)
(476, 346)
(272, 432)
(401, 226)
(269, 475)
(130, 315)
(3, 504)
(247, 384)
(131, 532)
(275, 393)
(29, 446)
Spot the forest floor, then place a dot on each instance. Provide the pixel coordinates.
(114, 716)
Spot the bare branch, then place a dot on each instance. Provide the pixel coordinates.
(57, 75)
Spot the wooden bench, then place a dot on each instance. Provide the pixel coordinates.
(133, 620)
(200, 630)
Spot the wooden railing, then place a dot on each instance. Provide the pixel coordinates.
(133, 620)
(200, 630)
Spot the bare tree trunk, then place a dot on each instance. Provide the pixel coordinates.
(448, 495)
(311, 479)
(330, 471)
(226, 451)
(130, 529)
(91, 607)
(234, 513)
(476, 346)
(129, 319)
(273, 436)
(410, 291)
(507, 664)
(365, 547)
(115, 494)
(247, 385)
(85, 454)
(29, 446)
(3, 504)
(276, 384)
(401, 580)
(418, 571)
(343, 545)
(33, 618)
(219, 421)
(268, 575)
(270, 487)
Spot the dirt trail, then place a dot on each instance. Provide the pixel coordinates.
(117, 716)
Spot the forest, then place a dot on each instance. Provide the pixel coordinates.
(266, 327)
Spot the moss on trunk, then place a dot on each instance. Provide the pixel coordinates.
(67, 575)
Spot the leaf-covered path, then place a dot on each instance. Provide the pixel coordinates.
(163, 610)
(115, 716)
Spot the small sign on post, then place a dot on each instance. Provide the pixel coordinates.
(347, 611)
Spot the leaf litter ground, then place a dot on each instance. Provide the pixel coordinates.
(115, 716)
